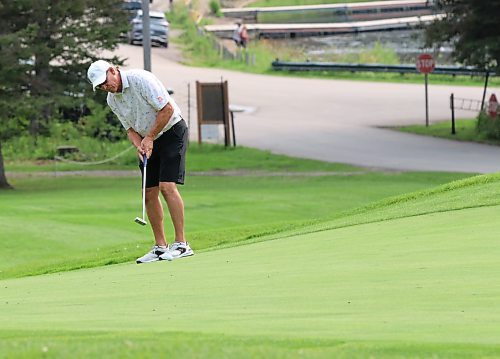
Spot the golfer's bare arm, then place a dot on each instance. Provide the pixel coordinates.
(162, 118)
(145, 145)
(161, 121)
(134, 137)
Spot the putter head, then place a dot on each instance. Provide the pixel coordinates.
(140, 221)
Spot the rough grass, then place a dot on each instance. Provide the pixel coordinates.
(466, 130)
(206, 157)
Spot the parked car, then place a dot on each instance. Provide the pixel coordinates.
(131, 7)
(158, 26)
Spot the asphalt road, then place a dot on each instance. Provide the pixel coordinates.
(331, 120)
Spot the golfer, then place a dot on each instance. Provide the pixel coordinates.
(155, 127)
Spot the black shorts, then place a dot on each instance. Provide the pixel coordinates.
(168, 159)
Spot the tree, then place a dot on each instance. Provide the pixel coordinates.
(46, 48)
(472, 27)
(3, 180)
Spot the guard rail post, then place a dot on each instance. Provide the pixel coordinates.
(452, 105)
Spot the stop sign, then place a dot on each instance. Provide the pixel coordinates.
(425, 63)
(493, 106)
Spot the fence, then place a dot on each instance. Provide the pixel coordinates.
(402, 69)
(465, 104)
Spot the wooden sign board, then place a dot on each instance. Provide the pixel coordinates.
(213, 106)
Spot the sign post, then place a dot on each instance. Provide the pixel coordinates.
(146, 35)
(425, 65)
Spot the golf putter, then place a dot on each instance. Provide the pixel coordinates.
(138, 220)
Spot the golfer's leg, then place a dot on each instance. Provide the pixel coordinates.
(175, 207)
(155, 214)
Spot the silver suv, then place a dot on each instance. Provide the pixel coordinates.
(158, 26)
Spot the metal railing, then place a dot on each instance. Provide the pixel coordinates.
(466, 104)
(402, 69)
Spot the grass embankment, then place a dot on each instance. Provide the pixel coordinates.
(92, 218)
(466, 130)
(414, 282)
(200, 51)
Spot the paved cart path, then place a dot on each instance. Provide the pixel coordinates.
(332, 120)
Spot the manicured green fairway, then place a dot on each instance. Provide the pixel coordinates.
(418, 281)
(333, 266)
(361, 283)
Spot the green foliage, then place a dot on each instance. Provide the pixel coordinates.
(215, 7)
(488, 126)
(100, 123)
(46, 49)
(26, 148)
(378, 54)
(200, 46)
(94, 132)
(202, 50)
(472, 26)
(16, 119)
(179, 15)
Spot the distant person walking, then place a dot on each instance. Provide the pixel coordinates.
(240, 35)
(155, 127)
(237, 34)
(244, 36)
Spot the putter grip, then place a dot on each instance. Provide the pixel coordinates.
(145, 160)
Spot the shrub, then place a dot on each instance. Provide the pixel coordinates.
(100, 123)
(488, 126)
(215, 7)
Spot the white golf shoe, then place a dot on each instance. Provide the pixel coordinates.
(177, 250)
(153, 255)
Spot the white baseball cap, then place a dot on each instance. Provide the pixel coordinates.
(97, 72)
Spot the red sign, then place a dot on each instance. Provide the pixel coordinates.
(425, 63)
(493, 106)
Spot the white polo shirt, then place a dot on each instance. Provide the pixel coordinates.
(142, 97)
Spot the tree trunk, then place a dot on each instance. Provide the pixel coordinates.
(3, 180)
